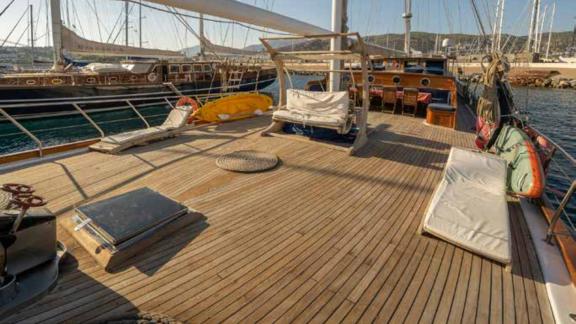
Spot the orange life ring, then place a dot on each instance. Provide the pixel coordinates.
(187, 101)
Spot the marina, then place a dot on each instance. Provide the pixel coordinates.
(258, 164)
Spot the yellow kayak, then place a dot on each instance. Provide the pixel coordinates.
(234, 107)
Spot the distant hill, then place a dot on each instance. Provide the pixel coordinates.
(424, 42)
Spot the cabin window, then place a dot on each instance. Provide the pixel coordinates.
(91, 80)
(174, 69)
(113, 79)
(425, 82)
(186, 68)
(197, 68)
(155, 69)
(371, 78)
(207, 68)
(396, 79)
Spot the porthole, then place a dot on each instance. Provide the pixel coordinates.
(91, 80)
(31, 82)
(133, 78)
(371, 79)
(396, 79)
(57, 81)
(425, 82)
(113, 79)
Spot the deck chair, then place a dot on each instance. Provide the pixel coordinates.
(410, 99)
(389, 100)
(320, 109)
(175, 123)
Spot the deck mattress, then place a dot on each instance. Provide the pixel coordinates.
(469, 207)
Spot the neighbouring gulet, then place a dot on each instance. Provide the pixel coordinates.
(153, 73)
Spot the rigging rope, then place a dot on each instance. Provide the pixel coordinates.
(14, 28)
(6, 8)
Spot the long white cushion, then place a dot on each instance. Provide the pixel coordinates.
(294, 117)
(469, 207)
(178, 117)
(333, 104)
(133, 135)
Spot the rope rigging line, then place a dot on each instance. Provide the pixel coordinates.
(6, 7)
(14, 28)
(92, 5)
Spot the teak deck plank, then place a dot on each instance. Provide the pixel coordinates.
(324, 237)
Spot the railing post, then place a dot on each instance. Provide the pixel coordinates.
(24, 130)
(89, 119)
(138, 113)
(169, 103)
(550, 233)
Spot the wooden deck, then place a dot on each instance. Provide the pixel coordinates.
(324, 237)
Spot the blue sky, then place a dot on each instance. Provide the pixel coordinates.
(366, 16)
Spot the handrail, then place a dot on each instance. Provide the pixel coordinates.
(138, 113)
(23, 129)
(123, 103)
(89, 119)
(550, 232)
(567, 196)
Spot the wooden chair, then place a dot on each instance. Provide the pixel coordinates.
(410, 99)
(389, 100)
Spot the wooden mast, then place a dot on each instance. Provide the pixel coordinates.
(56, 35)
(407, 25)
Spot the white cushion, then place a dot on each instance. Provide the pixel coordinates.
(469, 207)
(315, 120)
(130, 136)
(325, 104)
(178, 117)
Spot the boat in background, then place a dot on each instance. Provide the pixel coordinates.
(155, 72)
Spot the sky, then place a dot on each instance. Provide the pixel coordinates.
(95, 19)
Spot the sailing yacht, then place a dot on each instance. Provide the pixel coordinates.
(411, 224)
(155, 72)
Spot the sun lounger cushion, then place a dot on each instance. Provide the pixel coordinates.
(129, 136)
(328, 109)
(469, 207)
(178, 117)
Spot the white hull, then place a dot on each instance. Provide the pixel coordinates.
(571, 60)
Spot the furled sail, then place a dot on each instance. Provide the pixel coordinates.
(73, 43)
(238, 11)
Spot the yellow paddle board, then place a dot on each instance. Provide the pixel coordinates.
(234, 107)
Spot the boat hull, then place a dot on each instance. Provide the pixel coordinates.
(27, 99)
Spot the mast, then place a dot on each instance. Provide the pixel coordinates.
(531, 46)
(32, 33)
(126, 7)
(140, 23)
(497, 32)
(550, 30)
(57, 35)
(541, 29)
(407, 25)
(201, 32)
(338, 7)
